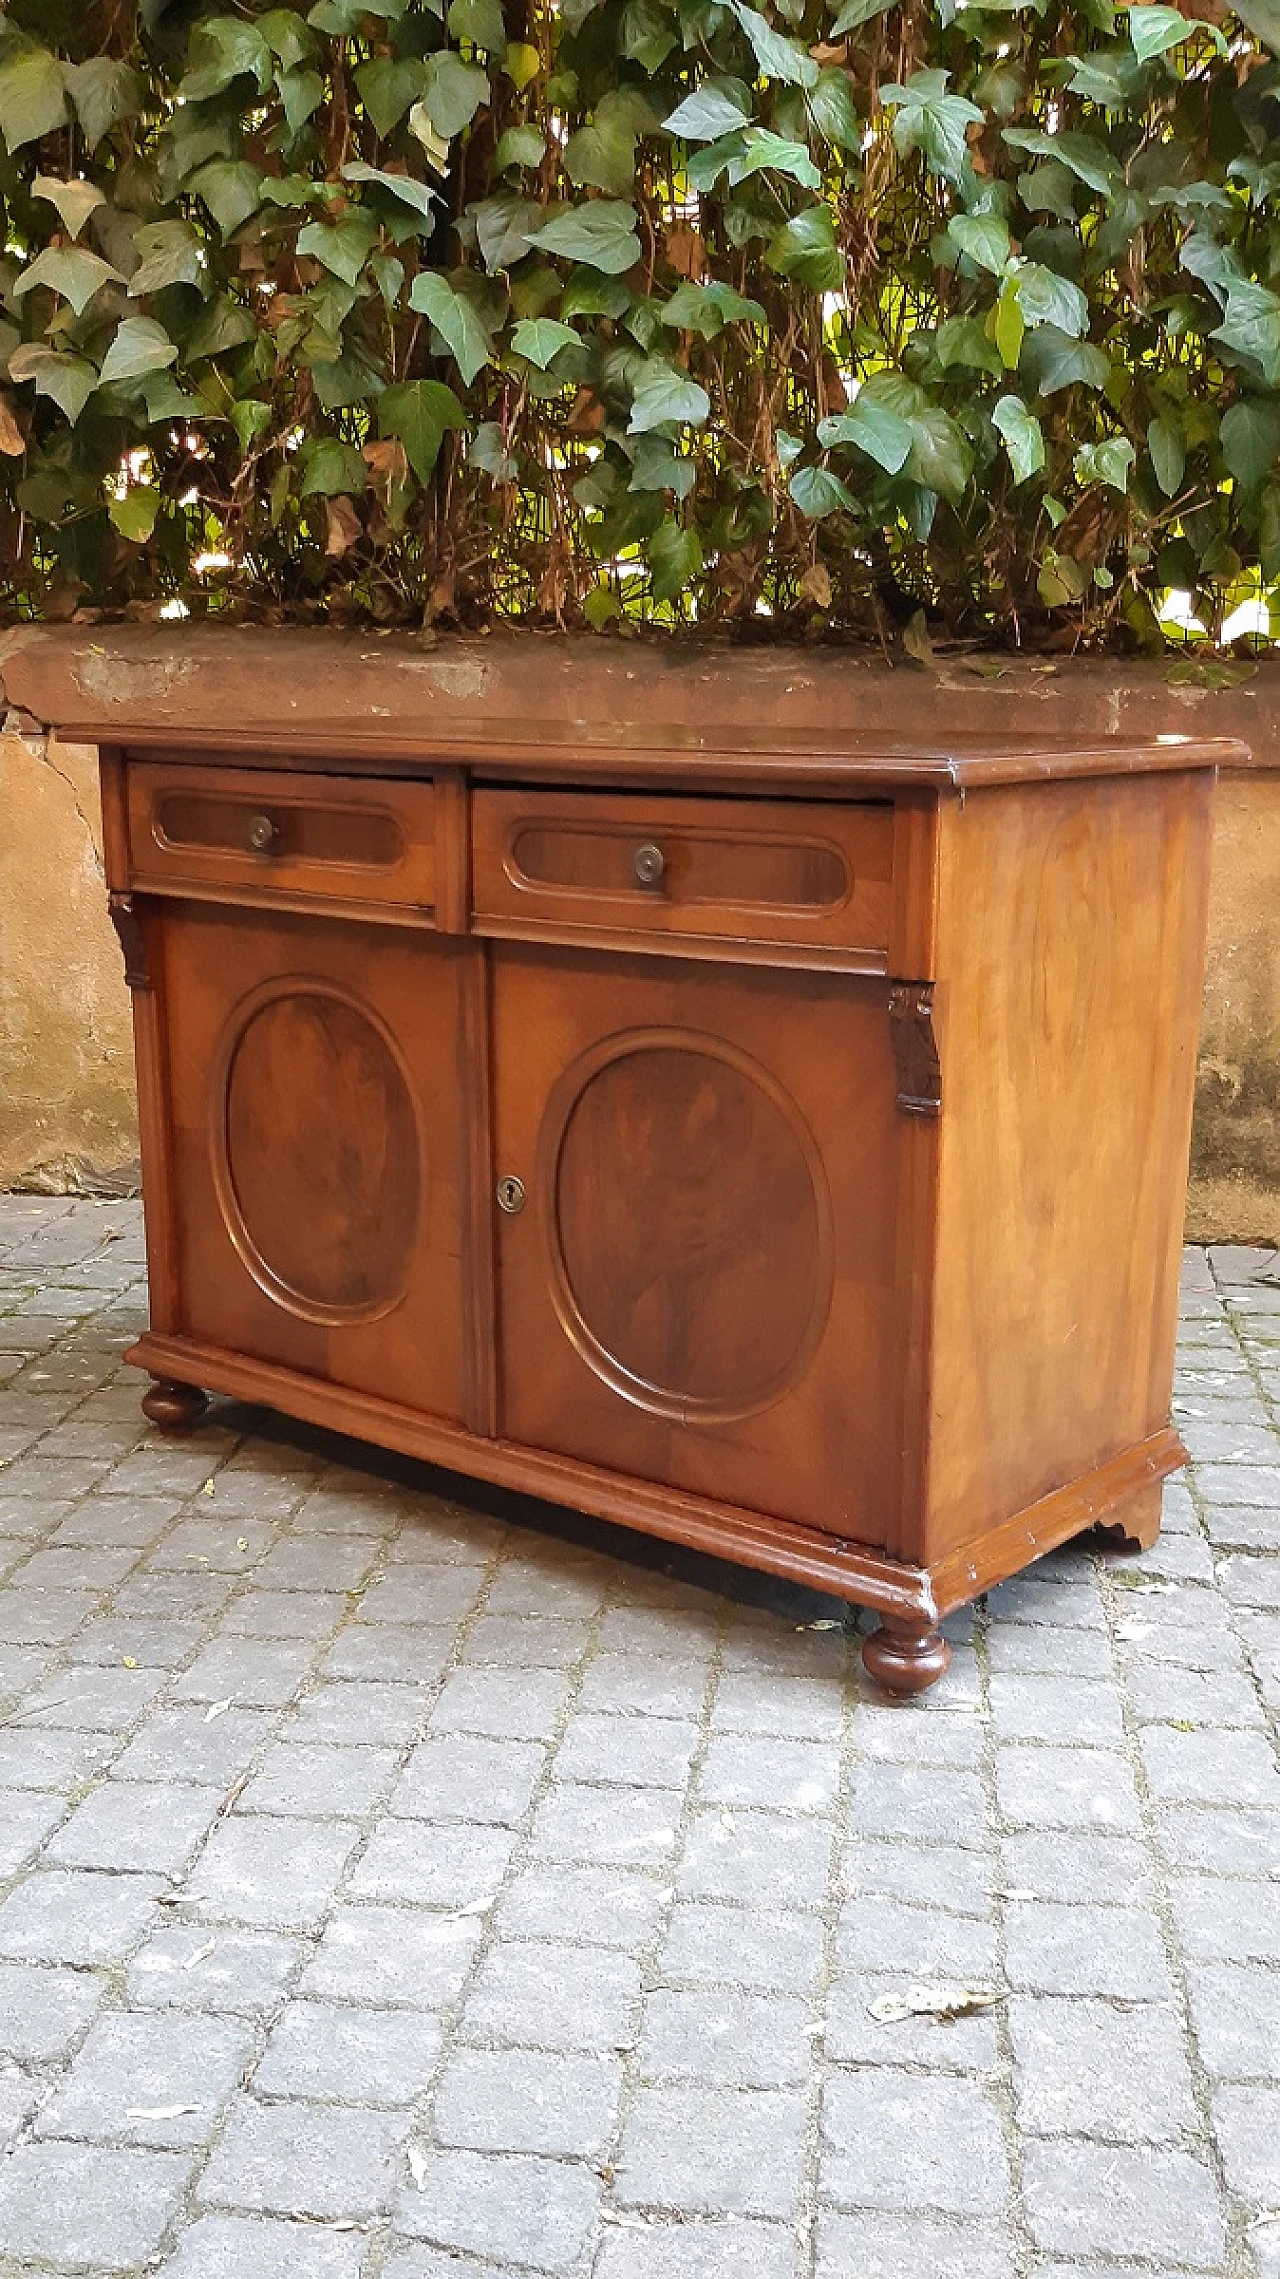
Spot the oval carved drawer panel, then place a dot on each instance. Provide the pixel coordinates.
(728, 870)
(266, 836)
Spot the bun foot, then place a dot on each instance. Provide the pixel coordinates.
(174, 1408)
(1138, 1527)
(905, 1657)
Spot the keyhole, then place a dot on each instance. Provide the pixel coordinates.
(511, 1195)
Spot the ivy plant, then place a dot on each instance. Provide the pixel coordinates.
(960, 318)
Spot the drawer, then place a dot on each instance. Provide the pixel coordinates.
(259, 835)
(739, 871)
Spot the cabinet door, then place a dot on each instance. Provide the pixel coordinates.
(313, 1105)
(699, 1285)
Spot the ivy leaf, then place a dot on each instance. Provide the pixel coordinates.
(71, 271)
(857, 12)
(601, 234)
(778, 57)
(488, 451)
(540, 339)
(1250, 439)
(301, 94)
(288, 38)
(659, 467)
(1252, 326)
(707, 309)
(834, 112)
(406, 187)
(1153, 31)
(1089, 160)
(104, 92)
(225, 49)
(664, 396)
(169, 253)
(68, 380)
(675, 558)
(454, 319)
(1109, 462)
(75, 201)
(480, 22)
(502, 227)
(387, 89)
(452, 92)
(929, 120)
(763, 152)
(941, 459)
(419, 413)
(1022, 435)
(876, 430)
(805, 248)
(519, 146)
(134, 516)
(1055, 361)
(1168, 454)
(33, 100)
(231, 189)
(521, 63)
(718, 107)
(818, 492)
(984, 237)
(140, 346)
(331, 469)
(340, 247)
(1046, 298)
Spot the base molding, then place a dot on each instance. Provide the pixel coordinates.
(852, 1571)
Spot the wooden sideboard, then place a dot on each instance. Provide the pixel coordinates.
(773, 1144)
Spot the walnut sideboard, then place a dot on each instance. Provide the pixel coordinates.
(769, 1139)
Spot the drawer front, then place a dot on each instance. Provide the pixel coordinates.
(731, 870)
(258, 835)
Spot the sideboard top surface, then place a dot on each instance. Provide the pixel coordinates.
(564, 708)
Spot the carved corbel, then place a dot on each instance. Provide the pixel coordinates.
(915, 1048)
(128, 925)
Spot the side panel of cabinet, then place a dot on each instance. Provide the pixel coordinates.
(311, 1071)
(699, 1288)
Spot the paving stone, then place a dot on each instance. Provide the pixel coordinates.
(1235, 2014)
(157, 2078)
(87, 2204)
(358, 1715)
(312, 1781)
(1066, 1788)
(1230, 1842)
(390, 1955)
(757, 1858)
(887, 1735)
(522, 1705)
(944, 1877)
(736, 1946)
(1075, 1869)
(423, 1594)
(349, 2056)
(315, 2160)
(1090, 2068)
(253, 2247)
(425, 1866)
(727, 2039)
(34, 1759)
(160, 1644)
(518, 2100)
(44, 2012)
(647, 1685)
(1073, 1603)
(1210, 1767)
(69, 1915)
(189, 1966)
(917, 1804)
(188, 1745)
(800, 1709)
(255, 1673)
(408, 1655)
(1146, 2201)
(853, 2036)
(97, 1700)
(606, 1827)
(310, 1615)
(883, 2246)
(880, 1934)
(906, 2141)
(1056, 1709)
(313, 1562)
(539, 2214)
(1247, 2128)
(713, 2151)
(33, 1617)
(638, 1752)
(593, 1906)
(1160, 1695)
(27, 1817)
(532, 1642)
(1115, 1952)
(455, 1777)
(1220, 1921)
(552, 1997)
(771, 1774)
(77, 1567)
(134, 1825)
(279, 1873)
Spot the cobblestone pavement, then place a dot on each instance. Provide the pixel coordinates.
(394, 1886)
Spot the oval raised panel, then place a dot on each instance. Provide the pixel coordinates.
(689, 1226)
(317, 1152)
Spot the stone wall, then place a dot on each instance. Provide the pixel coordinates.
(65, 1055)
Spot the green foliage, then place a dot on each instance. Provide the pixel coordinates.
(819, 313)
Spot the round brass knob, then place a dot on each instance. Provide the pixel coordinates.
(510, 1193)
(262, 834)
(650, 863)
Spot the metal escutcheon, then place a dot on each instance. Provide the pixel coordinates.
(510, 1196)
(262, 834)
(650, 863)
